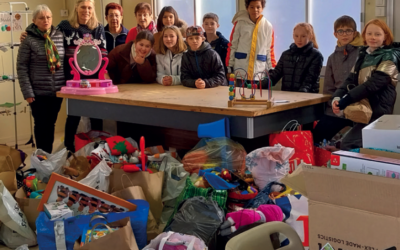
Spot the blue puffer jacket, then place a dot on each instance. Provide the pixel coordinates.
(114, 42)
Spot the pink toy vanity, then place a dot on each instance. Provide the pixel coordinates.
(87, 61)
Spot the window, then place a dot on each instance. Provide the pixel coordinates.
(329, 11)
(225, 9)
(283, 20)
(185, 9)
(321, 14)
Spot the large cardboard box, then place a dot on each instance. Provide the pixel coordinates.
(384, 133)
(349, 210)
(368, 161)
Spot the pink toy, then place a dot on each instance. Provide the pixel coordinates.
(87, 61)
(264, 213)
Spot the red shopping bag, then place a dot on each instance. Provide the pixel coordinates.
(82, 139)
(301, 141)
(321, 157)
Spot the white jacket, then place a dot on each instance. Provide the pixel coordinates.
(242, 41)
(169, 65)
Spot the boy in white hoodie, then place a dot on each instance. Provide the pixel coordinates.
(251, 45)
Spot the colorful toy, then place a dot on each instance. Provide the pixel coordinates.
(36, 195)
(31, 182)
(251, 100)
(87, 61)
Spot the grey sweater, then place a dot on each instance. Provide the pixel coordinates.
(338, 69)
(34, 76)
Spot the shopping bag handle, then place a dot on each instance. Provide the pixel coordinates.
(122, 182)
(72, 153)
(166, 164)
(97, 217)
(295, 125)
(164, 240)
(95, 226)
(12, 169)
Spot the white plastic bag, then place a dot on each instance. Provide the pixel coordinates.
(53, 164)
(269, 164)
(175, 177)
(176, 239)
(13, 220)
(99, 177)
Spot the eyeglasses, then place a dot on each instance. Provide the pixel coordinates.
(113, 15)
(345, 32)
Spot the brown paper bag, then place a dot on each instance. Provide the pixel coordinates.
(13, 153)
(136, 193)
(8, 174)
(151, 185)
(29, 206)
(121, 239)
(359, 112)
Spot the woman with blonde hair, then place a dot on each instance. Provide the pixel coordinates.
(171, 47)
(82, 21)
(300, 65)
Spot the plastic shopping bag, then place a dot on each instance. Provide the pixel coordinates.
(176, 241)
(217, 152)
(269, 164)
(295, 208)
(99, 177)
(14, 220)
(53, 164)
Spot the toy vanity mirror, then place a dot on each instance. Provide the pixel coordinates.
(87, 61)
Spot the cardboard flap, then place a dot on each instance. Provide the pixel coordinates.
(347, 189)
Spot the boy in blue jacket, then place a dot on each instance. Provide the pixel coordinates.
(217, 41)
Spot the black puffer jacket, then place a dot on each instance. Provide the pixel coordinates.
(34, 76)
(300, 69)
(204, 63)
(374, 77)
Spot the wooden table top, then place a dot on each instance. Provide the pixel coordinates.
(214, 100)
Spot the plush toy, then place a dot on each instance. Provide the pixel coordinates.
(264, 213)
(119, 146)
(226, 175)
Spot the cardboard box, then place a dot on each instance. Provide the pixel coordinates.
(349, 210)
(368, 161)
(384, 133)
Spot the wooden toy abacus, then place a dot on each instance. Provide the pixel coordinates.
(253, 86)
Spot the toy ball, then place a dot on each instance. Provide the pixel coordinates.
(232, 76)
(3, 28)
(8, 28)
(231, 88)
(231, 98)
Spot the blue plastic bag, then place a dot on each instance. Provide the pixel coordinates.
(74, 226)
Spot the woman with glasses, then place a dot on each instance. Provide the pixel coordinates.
(41, 74)
(116, 33)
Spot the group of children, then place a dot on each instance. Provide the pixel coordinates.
(204, 60)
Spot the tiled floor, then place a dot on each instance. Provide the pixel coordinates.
(58, 139)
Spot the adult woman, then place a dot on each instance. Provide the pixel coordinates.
(134, 62)
(144, 18)
(374, 77)
(41, 74)
(116, 33)
(83, 21)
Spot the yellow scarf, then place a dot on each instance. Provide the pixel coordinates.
(357, 41)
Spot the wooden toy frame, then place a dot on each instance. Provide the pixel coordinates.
(247, 101)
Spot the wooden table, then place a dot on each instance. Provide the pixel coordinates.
(185, 108)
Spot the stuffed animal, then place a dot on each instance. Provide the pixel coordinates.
(264, 213)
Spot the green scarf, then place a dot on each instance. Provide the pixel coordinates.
(53, 59)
